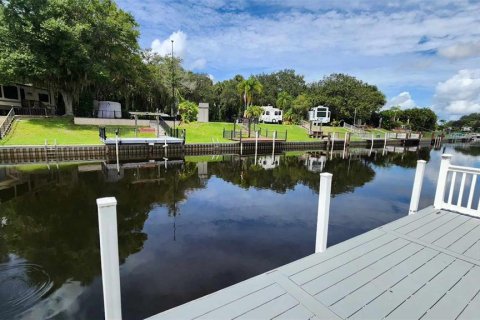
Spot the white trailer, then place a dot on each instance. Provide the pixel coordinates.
(271, 115)
(319, 115)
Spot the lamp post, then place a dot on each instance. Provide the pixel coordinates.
(173, 113)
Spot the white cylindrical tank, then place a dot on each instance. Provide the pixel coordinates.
(109, 109)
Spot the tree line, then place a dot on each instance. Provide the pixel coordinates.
(88, 49)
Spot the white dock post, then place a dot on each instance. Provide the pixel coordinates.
(273, 147)
(116, 151)
(256, 145)
(385, 141)
(107, 224)
(323, 211)
(442, 181)
(417, 186)
(333, 140)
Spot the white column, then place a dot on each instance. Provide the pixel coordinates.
(107, 224)
(323, 211)
(116, 152)
(417, 186)
(442, 181)
(333, 141)
(256, 145)
(273, 143)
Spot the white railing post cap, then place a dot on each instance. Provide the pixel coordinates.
(446, 156)
(106, 202)
(326, 175)
(421, 161)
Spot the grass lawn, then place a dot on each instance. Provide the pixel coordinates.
(294, 132)
(198, 132)
(36, 131)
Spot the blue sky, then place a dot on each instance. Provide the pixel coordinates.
(419, 53)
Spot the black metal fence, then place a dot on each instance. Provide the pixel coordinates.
(262, 133)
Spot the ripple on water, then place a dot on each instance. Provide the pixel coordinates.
(22, 285)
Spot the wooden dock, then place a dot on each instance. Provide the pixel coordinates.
(425, 266)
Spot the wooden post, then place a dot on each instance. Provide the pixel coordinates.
(442, 181)
(107, 224)
(417, 186)
(46, 152)
(285, 135)
(323, 212)
(136, 128)
(328, 141)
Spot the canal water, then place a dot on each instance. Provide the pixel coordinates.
(187, 228)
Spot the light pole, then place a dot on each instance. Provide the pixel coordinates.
(173, 113)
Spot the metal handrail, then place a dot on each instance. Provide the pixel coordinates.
(7, 124)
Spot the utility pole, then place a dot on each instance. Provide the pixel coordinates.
(173, 112)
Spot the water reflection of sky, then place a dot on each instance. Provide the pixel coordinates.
(229, 229)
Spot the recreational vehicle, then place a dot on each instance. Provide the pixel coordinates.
(319, 115)
(271, 115)
(24, 96)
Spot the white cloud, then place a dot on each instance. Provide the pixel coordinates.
(460, 94)
(403, 100)
(461, 50)
(165, 47)
(398, 45)
(198, 64)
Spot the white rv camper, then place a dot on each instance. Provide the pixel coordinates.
(319, 115)
(271, 115)
(18, 95)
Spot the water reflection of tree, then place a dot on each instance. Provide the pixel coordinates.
(468, 150)
(291, 171)
(407, 159)
(57, 228)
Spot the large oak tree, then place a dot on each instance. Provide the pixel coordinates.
(65, 45)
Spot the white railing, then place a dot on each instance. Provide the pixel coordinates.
(447, 177)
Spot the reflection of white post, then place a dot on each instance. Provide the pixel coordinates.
(417, 186)
(323, 211)
(107, 224)
(256, 146)
(116, 152)
(442, 181)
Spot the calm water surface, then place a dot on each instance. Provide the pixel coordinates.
(189, 229)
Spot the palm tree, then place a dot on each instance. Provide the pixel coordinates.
(284, 101)
(247, 88)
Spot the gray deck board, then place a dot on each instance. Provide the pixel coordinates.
(427, 296)
(457, 299)
(424, 265)
(297, 312)
(370, 290)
